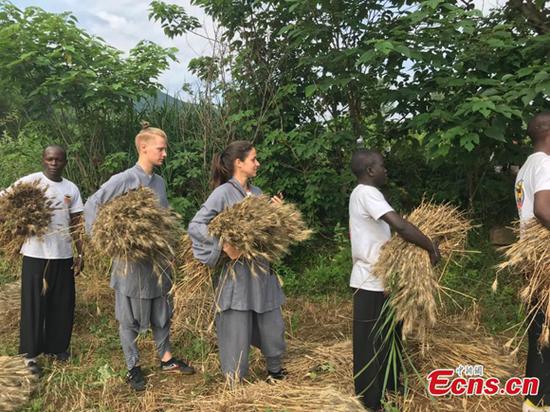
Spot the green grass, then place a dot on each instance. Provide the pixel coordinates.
(9, 272)
(474, 277)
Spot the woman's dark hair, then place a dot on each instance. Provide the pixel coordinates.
(223, 163)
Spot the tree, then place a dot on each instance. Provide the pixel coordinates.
(310, 77)
(71, 87)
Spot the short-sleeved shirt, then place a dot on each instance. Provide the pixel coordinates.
(56, 243)
(533, 177)
(368, 234)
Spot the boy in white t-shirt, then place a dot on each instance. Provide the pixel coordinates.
(48, 270)
(532, 192)
(370, 221)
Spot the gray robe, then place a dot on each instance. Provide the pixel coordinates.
(143, 283)
(241, 291)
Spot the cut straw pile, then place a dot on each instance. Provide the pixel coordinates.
(10, 297)
(460, 342)
(325, 364)
(93, 282)
(16, 383)
(260, 228)
(531, 255)
(406, 270)
(135, 228)
(282, 396)
(448, 346)
(193, 294)
(26, 211)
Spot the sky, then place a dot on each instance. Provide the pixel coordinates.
(123, 23)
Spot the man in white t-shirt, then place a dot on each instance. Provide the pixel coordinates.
(370, 221)
(532, 192)
(48, 270)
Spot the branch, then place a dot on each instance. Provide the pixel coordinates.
(536, 17)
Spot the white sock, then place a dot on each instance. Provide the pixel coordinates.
(29, 360)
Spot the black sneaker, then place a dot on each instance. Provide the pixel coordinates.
(175, 365)
(34, 368)
(135, 378)
(62, 356)
(277, 376)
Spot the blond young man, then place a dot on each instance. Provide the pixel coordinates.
(141, 301)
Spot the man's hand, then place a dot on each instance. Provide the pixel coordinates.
(78, 265)
(231, 251)
(435, 256)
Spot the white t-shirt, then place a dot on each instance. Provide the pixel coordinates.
(534, 176)
(368, 234)
(56, 243)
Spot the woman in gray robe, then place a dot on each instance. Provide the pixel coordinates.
(248, 305)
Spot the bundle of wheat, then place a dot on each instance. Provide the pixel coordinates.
(134, 227)
(25, 211)
(406, 270)
(17, 383)
(530, 255)
(260, 228)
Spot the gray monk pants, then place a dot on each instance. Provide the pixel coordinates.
(237, 330)
(136, 315)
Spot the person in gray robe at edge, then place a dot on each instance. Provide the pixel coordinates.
(248, 306)
(141, 300)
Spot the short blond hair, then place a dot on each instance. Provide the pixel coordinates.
(148, 133)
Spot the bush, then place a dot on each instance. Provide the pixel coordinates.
(324, 272)
(499, 311)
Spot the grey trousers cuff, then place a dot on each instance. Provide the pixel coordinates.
(274, 363)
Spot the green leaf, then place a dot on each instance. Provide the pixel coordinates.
(469, 141)
(433, 4)
(366, 57)
(495, 133)
(310, 90)
(285, 29)
(526, 71)
(540, 76)
(384, 46)
(528, 97)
